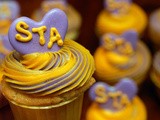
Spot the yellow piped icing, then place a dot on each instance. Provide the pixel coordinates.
(121, 44)
(40, 31)
(120, 100)
(22, 27)
(55, 36)
(51, 72)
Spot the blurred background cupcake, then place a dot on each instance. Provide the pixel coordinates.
(155, 72)
(9, 11)
(154, 28)
(74, 18)
(120, 15)
(118, 102)
(121, 56)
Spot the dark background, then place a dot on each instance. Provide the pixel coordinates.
(89, 10)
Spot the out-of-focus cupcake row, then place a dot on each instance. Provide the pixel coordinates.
(122, 58)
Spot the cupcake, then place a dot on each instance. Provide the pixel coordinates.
(9, 10)
(154, 27)
(74, 18)
(119, 16)
(155, 72)
(121, 56)
(46, 76)
(118, 102)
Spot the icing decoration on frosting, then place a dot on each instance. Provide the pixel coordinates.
(9, 10)
(123, 44)
(48, 4)
(117, 7)
(28, 36)
(116, 97)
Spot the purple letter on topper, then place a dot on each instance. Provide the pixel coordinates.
(113, 98)
(28, 36)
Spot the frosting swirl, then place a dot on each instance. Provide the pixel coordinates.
(51, 72)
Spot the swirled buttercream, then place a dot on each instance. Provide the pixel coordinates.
(50, 72)
(111, 66)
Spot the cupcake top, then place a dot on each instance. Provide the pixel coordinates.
(119, 16)
(123, 55)
(117, 7)
(113, 98)
(9, 10)
(118, 102)
(45, 63)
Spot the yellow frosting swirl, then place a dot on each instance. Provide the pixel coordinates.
(108, 23)
(51, 72)
(111, 66)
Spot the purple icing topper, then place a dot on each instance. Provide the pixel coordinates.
(113, 98)
(9, 10)
(117, 7)
(54, 23)
(114, 42)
